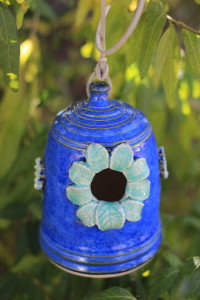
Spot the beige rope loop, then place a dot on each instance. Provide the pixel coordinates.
(101, 70)
(127, 34)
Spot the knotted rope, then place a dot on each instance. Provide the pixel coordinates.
(101, 71)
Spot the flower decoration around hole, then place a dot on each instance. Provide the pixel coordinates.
(106, 214)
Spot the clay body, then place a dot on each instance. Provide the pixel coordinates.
(93, 249)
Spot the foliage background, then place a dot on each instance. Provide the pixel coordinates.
(57, 57)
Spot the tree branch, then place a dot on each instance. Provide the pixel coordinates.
(183, 25)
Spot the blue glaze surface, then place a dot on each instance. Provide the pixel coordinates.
(64, 238)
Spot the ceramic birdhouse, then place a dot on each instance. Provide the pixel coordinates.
(100, 178)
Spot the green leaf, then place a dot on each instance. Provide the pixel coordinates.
(192, 45)
(26, 263)
(110, 215)
(7, 2)
(14, 211)
(13, 113)
(140, 287)
(83, 285)
(62, 287)
(190, 266)
(191, 272)
(196, 260)
(195, 284)
(114, 293)
(163, 283)
(10, 284)
(32, 236)
(9, 47)
(154, 23)
(117, 21)
(82, 11)
(27, 153)
(136, 40)
(34, 289)
(20, 13)
(27, 240)
(163, 51)
(193, 221)
(43, 8)
(171, 67)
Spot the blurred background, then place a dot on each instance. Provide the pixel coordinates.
(57, 57)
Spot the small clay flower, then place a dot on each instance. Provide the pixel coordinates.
(163, 163)
(39, 174)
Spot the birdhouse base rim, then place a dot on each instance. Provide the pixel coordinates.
(110, 275)
(113, 268)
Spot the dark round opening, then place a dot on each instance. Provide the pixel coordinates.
(109, 185)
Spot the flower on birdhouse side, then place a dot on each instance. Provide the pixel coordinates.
(162, 163)
(109, 215)
(39, 179)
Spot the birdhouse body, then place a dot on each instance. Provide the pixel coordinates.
(88, 227)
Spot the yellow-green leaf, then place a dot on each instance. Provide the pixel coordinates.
(154, 23)
(9, 47)
(7, 2)
(136, 41)
(166, 281)
(13, 115)
(171, 67)
(192, 45)
(163, 50)
(118, 20)
(43, 8)
(113, 293)
(82, 11)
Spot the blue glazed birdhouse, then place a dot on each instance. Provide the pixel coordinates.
(100, 178)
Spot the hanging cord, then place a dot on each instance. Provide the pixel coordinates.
(101, 71)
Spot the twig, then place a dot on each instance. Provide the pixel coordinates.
(183, 25)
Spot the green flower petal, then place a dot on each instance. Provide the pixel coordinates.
(97, 157)
(133, 209)
(80, 173)
(121, 158)
(87, 213)
(79, 195)
(110, 215)
(138, 190)
(137, 171)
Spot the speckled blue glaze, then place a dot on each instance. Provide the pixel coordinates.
(64, 238)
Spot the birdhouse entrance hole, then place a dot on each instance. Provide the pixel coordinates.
(109, 185)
